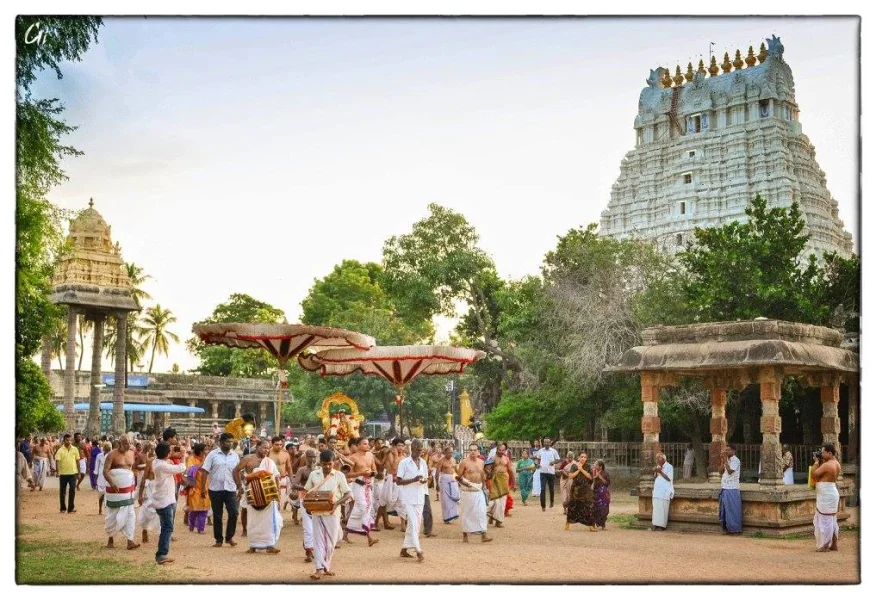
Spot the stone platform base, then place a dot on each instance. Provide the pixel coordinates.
(770, 510)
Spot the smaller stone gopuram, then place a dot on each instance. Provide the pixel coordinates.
(731, 356)
(90, 278)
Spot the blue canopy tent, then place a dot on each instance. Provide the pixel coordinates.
(131, 407)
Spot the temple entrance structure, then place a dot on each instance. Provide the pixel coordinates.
(731, 356)
(92, 281)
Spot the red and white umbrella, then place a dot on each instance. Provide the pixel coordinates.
(397, 364)
(282, 340)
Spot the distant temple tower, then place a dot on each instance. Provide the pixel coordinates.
(707, 143)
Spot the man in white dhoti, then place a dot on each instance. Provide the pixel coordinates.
(662, 494)
(787, 465)
(147, 517)
(472, 500)
(120, 488)
(40, 463)
(265, 524)
(297, 490)
(362, 470)
(412, 479)
(827, 499)
(326, 525)
(98, 469)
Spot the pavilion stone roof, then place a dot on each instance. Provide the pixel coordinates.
(709, 347)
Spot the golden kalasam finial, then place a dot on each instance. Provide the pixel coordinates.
(726, 66)
(751, 59)
(701, 68)
(762, 56)
(679, 78)
(689, 75)
(713, 68)
(738, 63)
(667, 79)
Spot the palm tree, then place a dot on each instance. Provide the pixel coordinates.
(136, 347)
(156, 321)
(59, 340)
(137, 278)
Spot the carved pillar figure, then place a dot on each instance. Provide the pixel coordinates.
(771, 427)
(853, 421)
(119, 386)
(830, 422)
(70, 371)
(650, 425)
(93, 427)
(214, 406)
(718, 429)
(237, 407)
(262, 412)
(46, 357)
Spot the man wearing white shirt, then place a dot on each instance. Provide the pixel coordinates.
(662, 494)
(163, 498)
(412, 477)
(547, 458)
(730, 500)
(224, 485)
(326, 526)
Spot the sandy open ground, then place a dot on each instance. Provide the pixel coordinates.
(622, 555)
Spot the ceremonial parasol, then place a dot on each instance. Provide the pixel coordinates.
(283, 341)
(397, 364)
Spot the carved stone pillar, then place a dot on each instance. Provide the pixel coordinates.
(261, 413)
(853, 421)
(770, 427)
(830, 422)
(70, 371)
(237, 407)
(650, 425)
(718, 429)
(214, 406)
(118, 420)
(93, 427)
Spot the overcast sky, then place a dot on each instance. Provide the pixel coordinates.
(253, 155)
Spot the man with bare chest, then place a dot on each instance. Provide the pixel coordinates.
(389, 501)
(501, 483)
(472, 501)
(379, 452)
(362, 469)
(119, 475)
(246, 466)
(284, 464)
(297, 488)
(448, 487)
(826, 470)
(40, 464)
(83, 458)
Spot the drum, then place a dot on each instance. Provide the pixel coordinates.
(261, 489)
(319, 503)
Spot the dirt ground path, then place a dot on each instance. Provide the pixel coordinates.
(623, 555)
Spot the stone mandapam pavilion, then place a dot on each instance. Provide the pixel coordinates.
(731, 356)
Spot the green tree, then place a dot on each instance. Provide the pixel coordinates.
(155, 323)
(137, 278)
(237, 362)
(754, 269)
(39, 151)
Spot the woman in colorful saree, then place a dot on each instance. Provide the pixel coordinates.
(580, 509)
(197, 506)
(601, 494)
(525, 469)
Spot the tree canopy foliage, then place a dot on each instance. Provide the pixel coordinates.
(39, 150)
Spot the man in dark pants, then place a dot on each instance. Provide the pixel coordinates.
(221, 464)
(427, 516)
(548, 457)
(67, 459)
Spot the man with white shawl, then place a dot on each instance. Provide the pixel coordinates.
(147, 517)
(412, 479)
(264, 524)
(662, 494)
(326, 526)
(99, 463)
(472, 499)
(826, 500)
(120, 488)
(730, 500)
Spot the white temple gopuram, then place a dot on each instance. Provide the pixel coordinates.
(707, 142)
